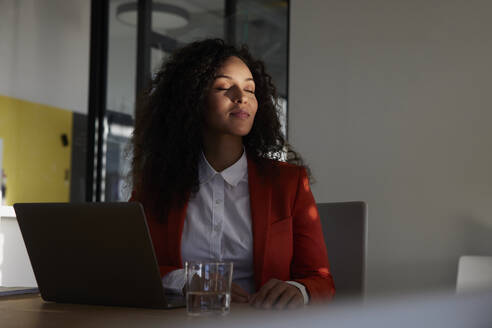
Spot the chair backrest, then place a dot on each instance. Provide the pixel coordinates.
(474, 273)
(344, 229)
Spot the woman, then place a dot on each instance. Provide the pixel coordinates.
(207, 144)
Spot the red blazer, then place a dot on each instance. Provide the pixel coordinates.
(288, 241)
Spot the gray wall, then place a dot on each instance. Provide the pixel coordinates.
(44, 52)
(390, 102)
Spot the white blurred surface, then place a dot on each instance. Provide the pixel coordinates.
(7, 211)
(15, 267)
(474, 273)
(435, 310)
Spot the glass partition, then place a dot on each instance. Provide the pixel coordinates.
(262, 25)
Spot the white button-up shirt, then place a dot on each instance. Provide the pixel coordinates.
(218, 225)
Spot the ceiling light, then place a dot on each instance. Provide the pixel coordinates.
(164, 16)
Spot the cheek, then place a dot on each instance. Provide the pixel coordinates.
(217, 104)
(254, 107)
(211, 103)
(214, 105)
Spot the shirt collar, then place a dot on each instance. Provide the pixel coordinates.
(232, 175)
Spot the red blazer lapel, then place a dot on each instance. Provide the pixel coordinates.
(260, 193)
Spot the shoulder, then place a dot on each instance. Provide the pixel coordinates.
(284, 166)
(283, 171)
(287, 181)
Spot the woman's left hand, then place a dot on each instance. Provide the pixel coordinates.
(277, 294)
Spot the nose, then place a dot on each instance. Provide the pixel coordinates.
(239, 96)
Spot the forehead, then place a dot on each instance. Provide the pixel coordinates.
(234, 67)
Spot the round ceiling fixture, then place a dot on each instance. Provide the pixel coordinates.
(164, 16)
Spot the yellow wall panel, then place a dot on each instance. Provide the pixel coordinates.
(35, 162)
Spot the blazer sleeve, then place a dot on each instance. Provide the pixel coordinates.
(157, 230)
(310, 265)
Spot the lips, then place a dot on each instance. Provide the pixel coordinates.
(240, 113)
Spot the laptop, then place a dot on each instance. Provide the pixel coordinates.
(93, 253)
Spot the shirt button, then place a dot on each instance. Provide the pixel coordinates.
(217, 227)
(217, 201)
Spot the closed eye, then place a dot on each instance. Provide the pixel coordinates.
(223, 89)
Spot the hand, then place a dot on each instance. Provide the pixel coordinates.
(239, 295)
(277, 294)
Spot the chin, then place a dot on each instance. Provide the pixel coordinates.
(240, 132)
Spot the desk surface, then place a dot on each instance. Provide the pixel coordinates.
(446, 310)
(28, 311)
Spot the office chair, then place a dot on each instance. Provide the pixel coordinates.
(344, 229)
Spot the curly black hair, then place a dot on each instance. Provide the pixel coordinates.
(167, 140)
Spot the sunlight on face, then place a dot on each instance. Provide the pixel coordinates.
(231, 102)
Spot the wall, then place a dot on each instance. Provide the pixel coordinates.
(44, 52)
(1, 172)
(36, 163)
(390, 103)
(44, 65)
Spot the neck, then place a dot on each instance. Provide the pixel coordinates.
(222, 151)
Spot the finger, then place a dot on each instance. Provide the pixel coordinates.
(285, 298)
(263, 289)
(239, 291)
(263, 292)
(238, 298)
(274, 294)
(258, 298)
(295, 302)
(239, 294)
(252, 298)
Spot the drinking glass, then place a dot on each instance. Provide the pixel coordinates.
(208, 287)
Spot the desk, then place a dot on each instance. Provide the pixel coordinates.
(29, 311)
(441, 310)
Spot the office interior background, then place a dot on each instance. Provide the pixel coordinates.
(388, 101)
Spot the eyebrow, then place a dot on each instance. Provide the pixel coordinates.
(230, 78)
